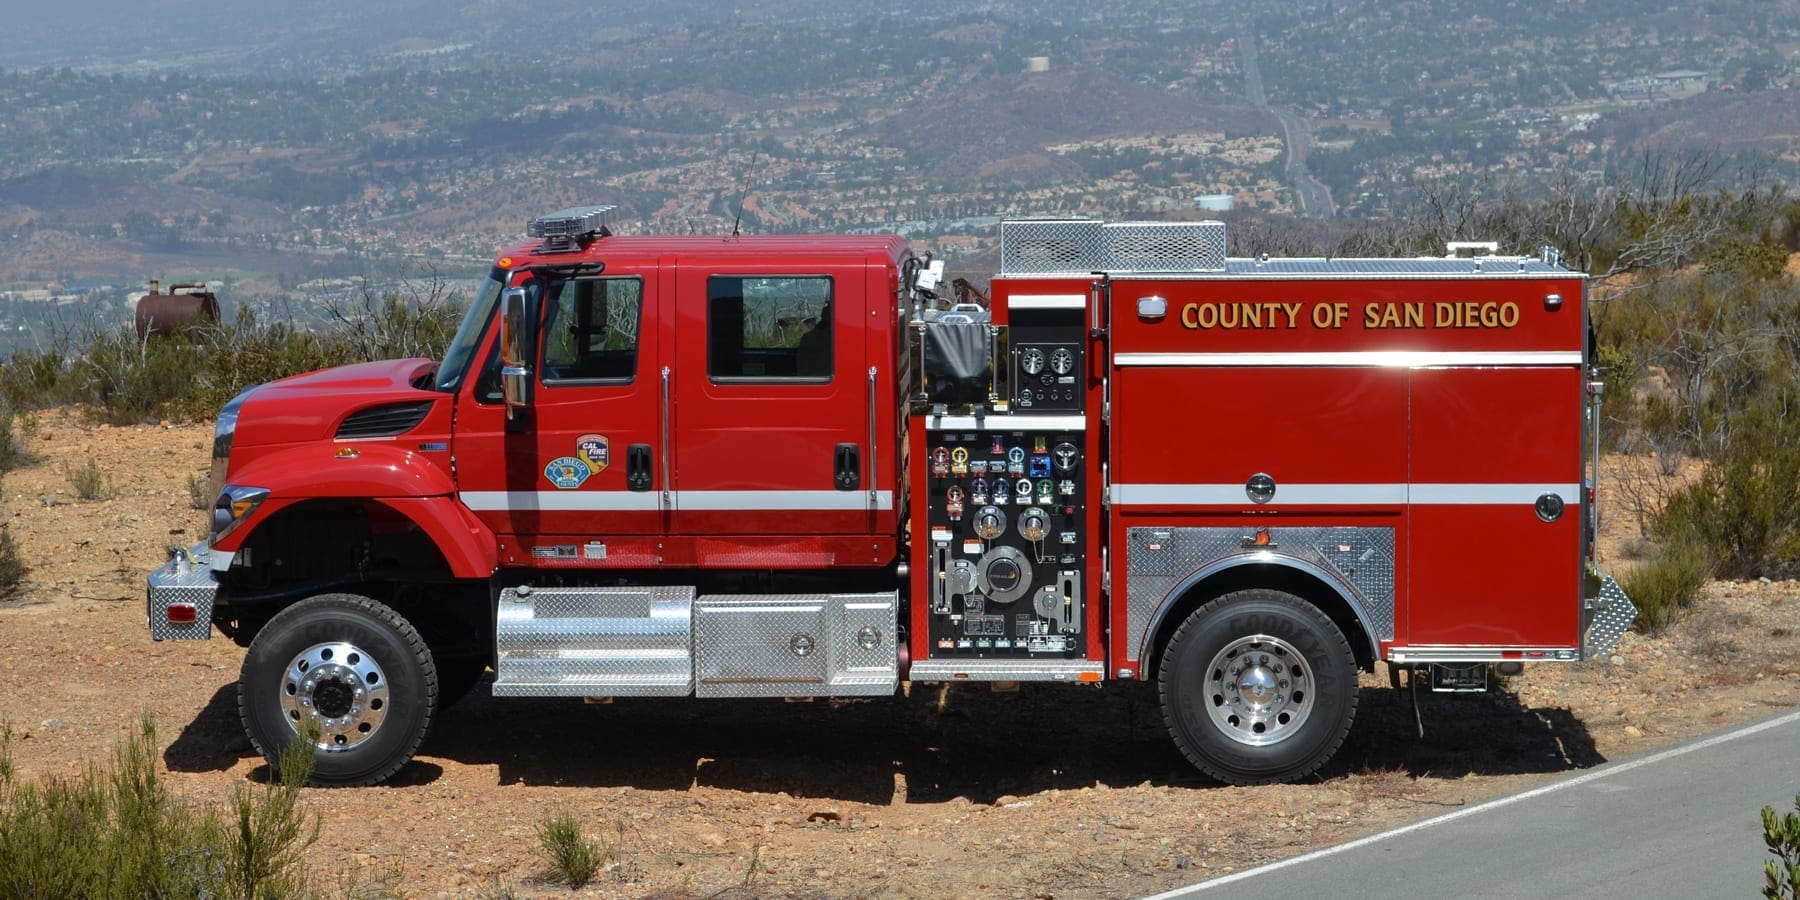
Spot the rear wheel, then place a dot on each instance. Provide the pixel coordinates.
(353, 667)
(1258, 686)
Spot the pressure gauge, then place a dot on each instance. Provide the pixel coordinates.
(1032, 361)
(1062, 362)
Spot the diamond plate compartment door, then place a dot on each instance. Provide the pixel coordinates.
(594, 642)
(796, 645)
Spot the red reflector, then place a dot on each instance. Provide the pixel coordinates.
(181, 613)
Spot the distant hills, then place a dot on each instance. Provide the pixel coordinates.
(271, 145)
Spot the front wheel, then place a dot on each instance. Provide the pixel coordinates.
(1258, 686)
(352, 666)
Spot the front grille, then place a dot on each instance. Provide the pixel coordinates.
(384, 421)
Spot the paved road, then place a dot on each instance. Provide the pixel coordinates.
(1681, 822)
(1314, 197)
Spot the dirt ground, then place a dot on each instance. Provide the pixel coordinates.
(1047, 792)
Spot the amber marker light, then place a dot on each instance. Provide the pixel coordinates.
(505, 262)
(347, 453)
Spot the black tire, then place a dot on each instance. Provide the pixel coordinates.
(1293, 706)
(457, 676)
(352, 664)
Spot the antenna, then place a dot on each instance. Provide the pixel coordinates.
(742, 197)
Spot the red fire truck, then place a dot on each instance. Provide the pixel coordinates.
(780, 466)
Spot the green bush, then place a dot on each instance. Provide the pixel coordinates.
(12, 444)
(1669, 581)
(89, 481)
(1745, 508)
(269, 834)
(125, 379)
(573, 857)
(196, 488)
(1781, 875)
(12, 563)
(117, 832)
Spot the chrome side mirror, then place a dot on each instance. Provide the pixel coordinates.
(515, 349)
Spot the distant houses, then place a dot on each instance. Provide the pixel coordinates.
(1663, 86)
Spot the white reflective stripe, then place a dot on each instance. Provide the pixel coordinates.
(1233, 494)
(1395, 359)
(1006, 423)
(1047, 301)
(690, 501)
(563, 501)
(1344, 494)
(1492, 494)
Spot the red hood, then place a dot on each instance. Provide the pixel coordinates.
(309, 407)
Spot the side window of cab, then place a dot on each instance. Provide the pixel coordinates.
(591, 331)
(762, 328)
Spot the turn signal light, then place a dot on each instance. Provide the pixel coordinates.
(181, 614)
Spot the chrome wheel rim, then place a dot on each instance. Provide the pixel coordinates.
(1259, 690)
(340, 688)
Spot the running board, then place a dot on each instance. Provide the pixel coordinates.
(1007, 670)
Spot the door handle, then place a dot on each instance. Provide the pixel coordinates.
(848, 475)
(638, 475)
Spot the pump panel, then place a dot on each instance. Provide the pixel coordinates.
(1007, 548)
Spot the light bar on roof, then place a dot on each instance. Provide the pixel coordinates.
(569, 224)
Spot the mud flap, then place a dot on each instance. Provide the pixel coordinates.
(1609, 615)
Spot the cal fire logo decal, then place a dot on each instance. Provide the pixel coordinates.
(591, 458)
(591, 450)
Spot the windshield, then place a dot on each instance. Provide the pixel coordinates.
(469, 333)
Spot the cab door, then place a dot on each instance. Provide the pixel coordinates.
(579, 481)
(772, 410)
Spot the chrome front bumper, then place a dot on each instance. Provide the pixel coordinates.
(183, 585)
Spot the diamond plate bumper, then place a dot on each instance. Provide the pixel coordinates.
(1611, 615)
(185, 580)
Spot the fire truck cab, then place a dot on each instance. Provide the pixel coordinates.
(781, 466)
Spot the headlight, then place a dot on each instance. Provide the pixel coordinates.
(222, 435)
(235, 504)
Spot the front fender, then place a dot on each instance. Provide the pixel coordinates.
(392, 476)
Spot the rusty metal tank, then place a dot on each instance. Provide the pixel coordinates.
(186, 308)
